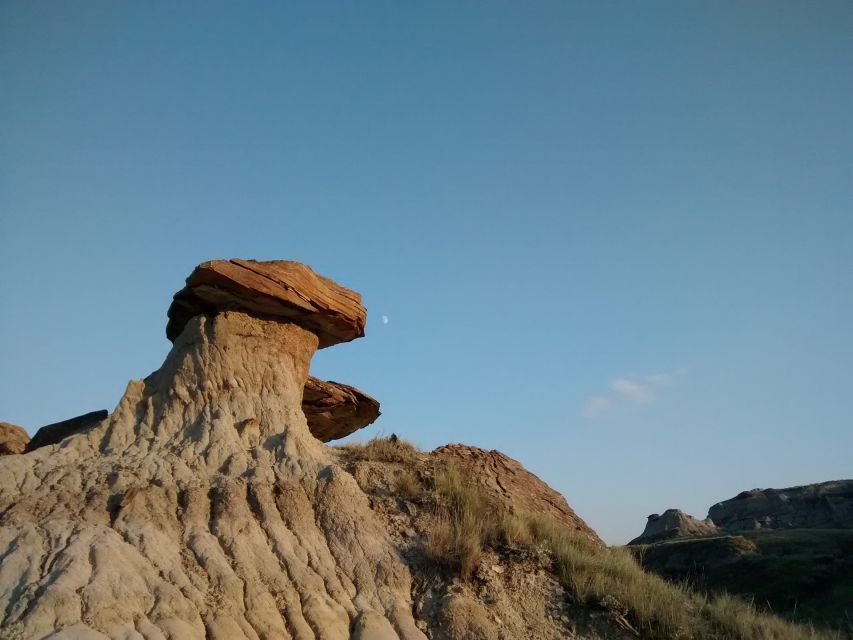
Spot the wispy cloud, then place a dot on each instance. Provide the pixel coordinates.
(594, 405)
(630, 390)
(633, 390)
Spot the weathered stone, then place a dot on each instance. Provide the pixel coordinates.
(813, 506)
(334, 410)
(53, 433)
(13, 439)
(514, 486)
(200, 508)
(275, 290)
(673, 523)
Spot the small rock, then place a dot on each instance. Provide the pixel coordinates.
(13, 439)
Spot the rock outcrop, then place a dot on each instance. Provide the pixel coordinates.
(513, 485)
(13, 439)
(279, 290)
(334, 410)
(202, 507)
(673, 523)
(514, 592)
(826, 505)
(58, 431)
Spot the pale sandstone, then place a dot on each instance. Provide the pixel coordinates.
(202, 508)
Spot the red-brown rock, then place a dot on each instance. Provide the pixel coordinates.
(514, 486)
(335, 410)
(277, 290)
(13, 439)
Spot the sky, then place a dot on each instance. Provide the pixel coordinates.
(613, 240)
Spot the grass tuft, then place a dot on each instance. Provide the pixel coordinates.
(391, 449)
(407, 484)
(467, 521)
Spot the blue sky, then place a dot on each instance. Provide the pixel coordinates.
(613, 240)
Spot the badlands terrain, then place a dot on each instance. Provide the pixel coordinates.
(789, 548)
(207, 505)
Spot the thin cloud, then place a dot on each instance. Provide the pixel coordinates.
(596, 405)
(627, 391)
(632, 390)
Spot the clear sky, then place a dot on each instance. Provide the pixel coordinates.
(611, 239)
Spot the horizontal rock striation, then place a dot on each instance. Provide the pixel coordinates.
(825, 505)
(278, 289)
(334, 410)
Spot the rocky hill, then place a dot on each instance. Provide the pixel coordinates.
(207, 506)
(673, 523)
(827, 505)
(790, 548)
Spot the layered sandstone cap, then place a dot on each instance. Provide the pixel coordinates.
(334, 410)
(274, 290)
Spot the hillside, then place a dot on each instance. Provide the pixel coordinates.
(788, 550)
(206, 506)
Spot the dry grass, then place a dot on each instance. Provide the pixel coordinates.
(467, 521)
(389, 449)
(407, 485)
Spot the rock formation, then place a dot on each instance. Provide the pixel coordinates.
(513, 485)
(826, 505)
(13, 439)
(202, 507)
(280, 289)
(58, 431)
(673, 523)
(334, 410)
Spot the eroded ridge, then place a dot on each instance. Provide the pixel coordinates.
(201, 508)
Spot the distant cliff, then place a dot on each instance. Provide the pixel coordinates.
(827, 505)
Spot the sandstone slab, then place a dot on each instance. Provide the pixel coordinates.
(278, 290)
(58, 431)
(334, 410)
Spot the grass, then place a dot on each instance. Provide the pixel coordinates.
(807, 574)
(391, 449)
(407, 485)
(467, 521)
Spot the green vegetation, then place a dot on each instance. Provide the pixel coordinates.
(804, 575)
(467, 521)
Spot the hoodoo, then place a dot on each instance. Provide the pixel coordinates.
(202, 507)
